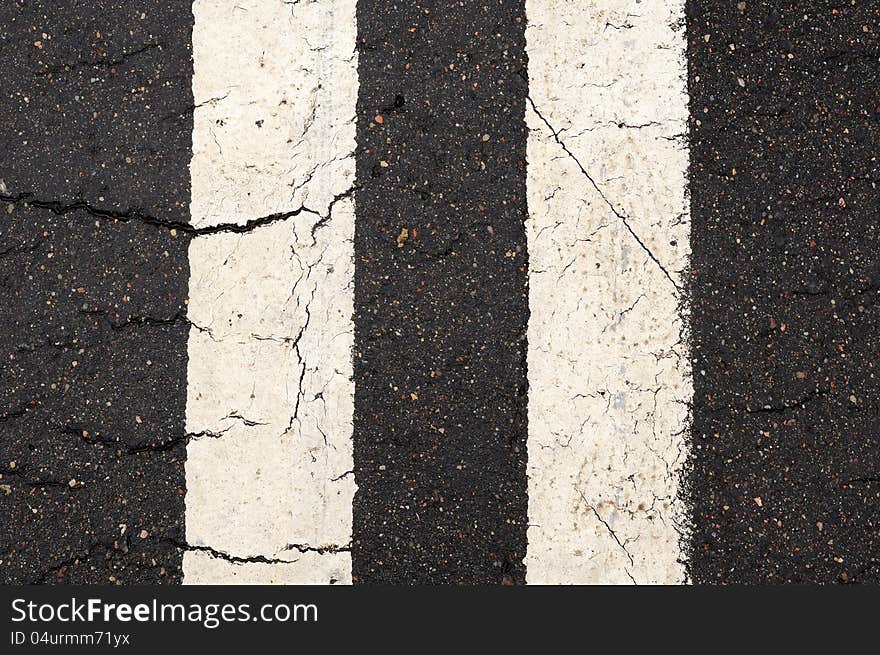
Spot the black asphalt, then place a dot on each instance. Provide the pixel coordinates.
(441, 304)
(96, 111)
(783, 480)
(785, 471)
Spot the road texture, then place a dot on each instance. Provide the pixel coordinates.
(441, 308)
(95, 152)
(269, 383)
(609, 378)
(784, 483)
(439, 292)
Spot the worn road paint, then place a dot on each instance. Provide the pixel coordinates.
(608, 239)
(269, 405)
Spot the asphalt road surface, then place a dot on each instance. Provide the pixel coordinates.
(496, 292)
(441, 306)
(784, 485)
(96, 142)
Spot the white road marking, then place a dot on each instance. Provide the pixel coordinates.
(608, 238)
(269, 488)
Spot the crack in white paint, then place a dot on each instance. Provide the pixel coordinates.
(609, 378)
(271, 307)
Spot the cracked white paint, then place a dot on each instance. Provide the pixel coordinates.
(608, 245)
(269, 373)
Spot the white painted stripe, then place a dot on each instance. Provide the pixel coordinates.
(608, 237)
(269, 371)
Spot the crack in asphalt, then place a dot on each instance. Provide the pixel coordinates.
(233, 559)
(99, 63)
(131, 215)
(216, 553)
(321, 550)
(617, 212)
(183, 439)
(610, 531)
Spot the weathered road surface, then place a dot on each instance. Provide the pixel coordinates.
(269, 480)
(441, 304)
(97, 124)
(609, 377)
(500, 292)
(784, 483)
